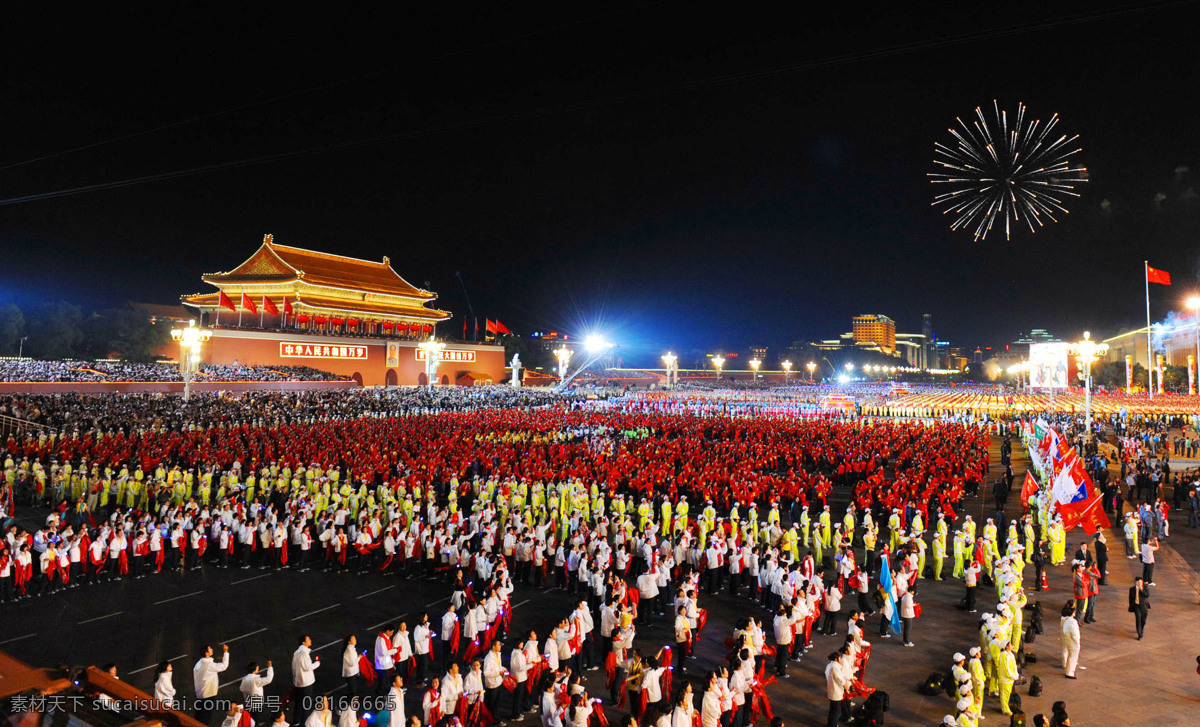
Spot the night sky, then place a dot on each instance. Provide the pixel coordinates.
(673, 175)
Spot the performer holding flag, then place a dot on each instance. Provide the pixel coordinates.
(889, 613)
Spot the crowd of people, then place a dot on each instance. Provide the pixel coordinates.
(22, 370)
(641, 507)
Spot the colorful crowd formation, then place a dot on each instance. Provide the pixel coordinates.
(638, 504)
(30, 370)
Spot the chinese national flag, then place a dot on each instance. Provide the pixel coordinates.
(1154, 275)
(1094, 518)
(501, 328)
(490, 327)
(269, 306)
(1029, 489)
(248, 304)
(225, 302)
(287, 306)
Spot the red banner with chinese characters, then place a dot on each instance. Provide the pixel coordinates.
(450, 355)
(289, 349)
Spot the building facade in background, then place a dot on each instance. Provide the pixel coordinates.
(876, 329)
(291, 306)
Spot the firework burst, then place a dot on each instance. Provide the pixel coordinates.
(995, 172)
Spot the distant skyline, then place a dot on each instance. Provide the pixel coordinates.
(675, 176)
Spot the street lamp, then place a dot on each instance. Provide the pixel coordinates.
(190, 340)
(671, 361)
(433, 357)
(849, 367)
(811, 366)
(754, 364)
(1086, 352)
(563, 354)
(21, 349)
(718, 361)
(596, 348)
(787, 371)
(1194, 304)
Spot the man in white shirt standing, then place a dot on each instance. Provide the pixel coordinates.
(835, 689)
(1070, 641)
(303, 666)
(519, 667)
(384, 657)
(395, 703)
(493, 678)
(204, 675)
(783, 640)
(252, 687)
(647, 585)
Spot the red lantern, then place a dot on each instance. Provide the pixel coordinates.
(387, 325)
(303, 318)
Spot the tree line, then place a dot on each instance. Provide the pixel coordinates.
(60, 330)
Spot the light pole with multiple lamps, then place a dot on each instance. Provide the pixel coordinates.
(812, 367)
(596, 348)
(190, 340)
(1087, 352)
(787, 371)
(754, 364)
(671, 361)
(433, 356)
(718, 361)
(563, 354)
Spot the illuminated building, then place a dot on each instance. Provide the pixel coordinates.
(876, 329)
(291, 306)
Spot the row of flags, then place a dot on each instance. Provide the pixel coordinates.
(491, 329)
(1072, 493)
(247, 303)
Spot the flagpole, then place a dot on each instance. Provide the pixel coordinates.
(1149, 351)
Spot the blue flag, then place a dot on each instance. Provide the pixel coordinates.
(889, 590)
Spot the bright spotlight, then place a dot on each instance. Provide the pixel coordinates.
(843, 379)
(596, 344)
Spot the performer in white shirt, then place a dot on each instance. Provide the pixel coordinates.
(204, 676)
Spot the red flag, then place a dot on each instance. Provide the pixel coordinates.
(1073, 493)
(464, 328)
(287, 306)
(1094, 517)
(490, 327)
(269, 306)
(225, 302)
(1154, 275)
(501, 328)
(248, 304)
(1029, 489)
